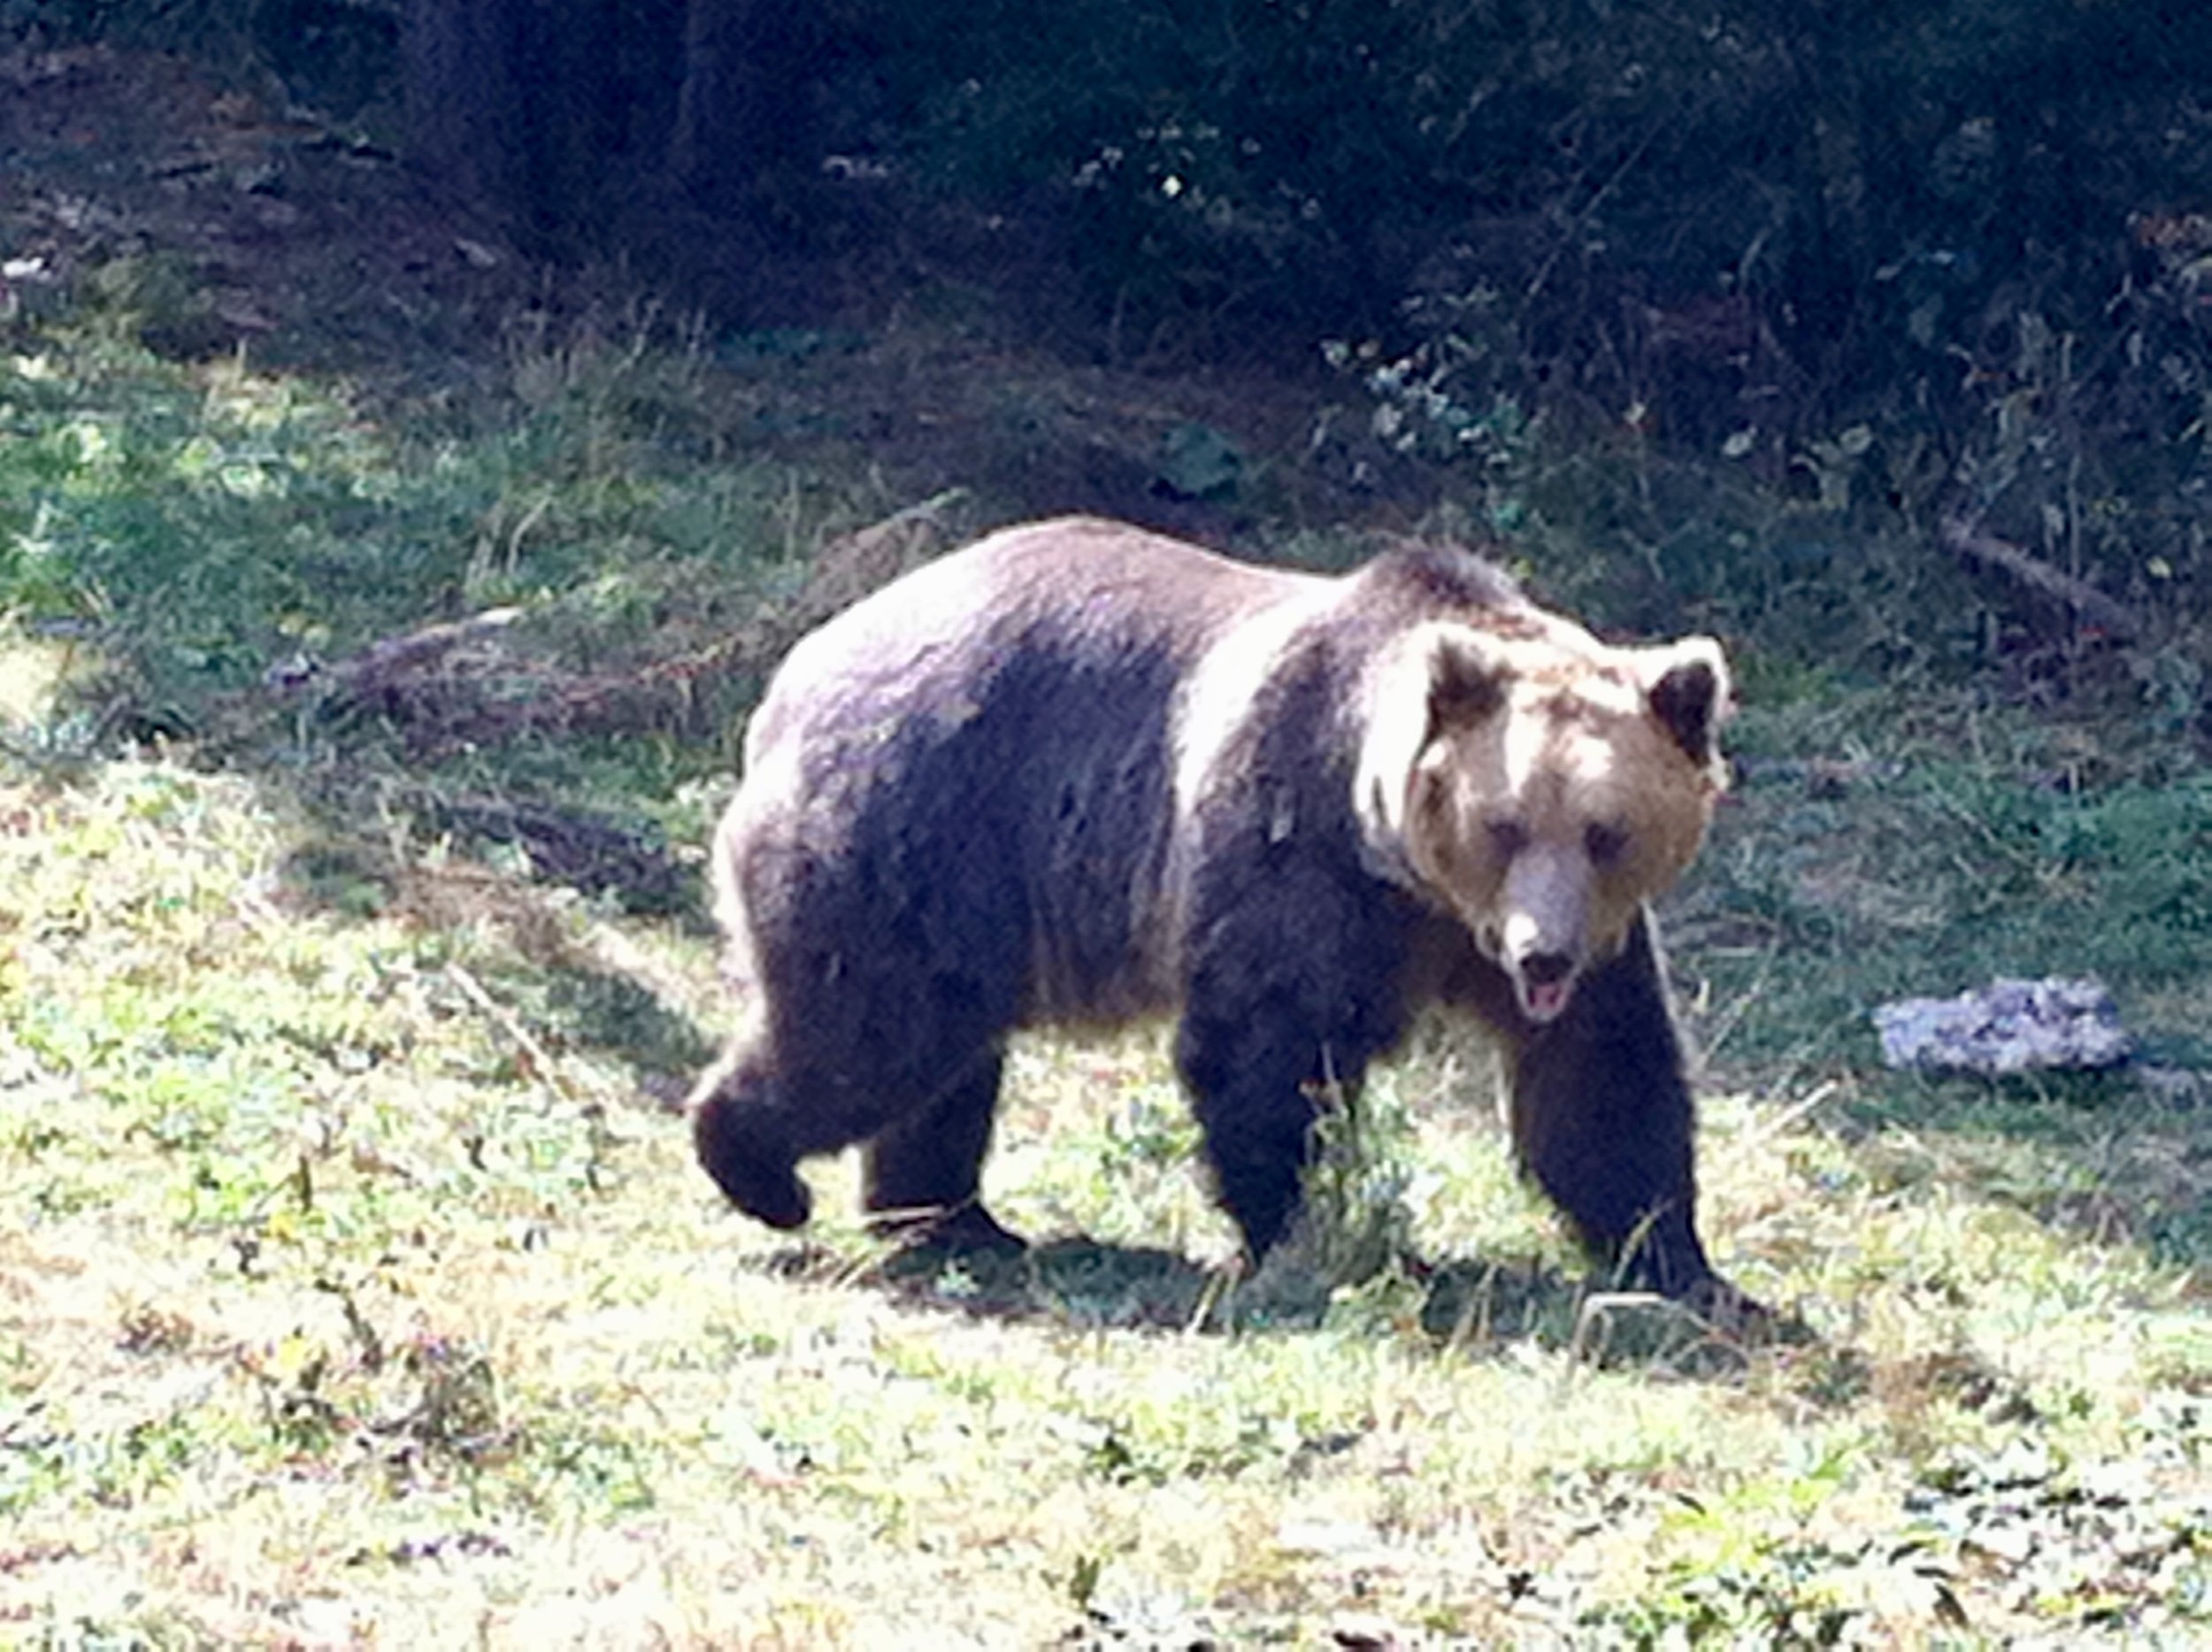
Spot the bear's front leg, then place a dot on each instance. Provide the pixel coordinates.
(1603, 1120)
(1291, 991)
(1250, 1079)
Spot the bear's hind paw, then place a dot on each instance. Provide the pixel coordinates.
(767, 1187)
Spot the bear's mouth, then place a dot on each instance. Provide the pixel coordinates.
(1543, 982)
(1544, 1001)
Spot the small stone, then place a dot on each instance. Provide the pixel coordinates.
(2009, 1027)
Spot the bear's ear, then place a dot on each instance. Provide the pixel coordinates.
(1440, 675)
(1687, 683)
(1468, 674)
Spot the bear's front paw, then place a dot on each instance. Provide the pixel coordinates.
(1740, 1317)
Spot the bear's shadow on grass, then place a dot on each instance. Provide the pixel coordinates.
(1475, 1306)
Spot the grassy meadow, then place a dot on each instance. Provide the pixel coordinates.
(357, 1287)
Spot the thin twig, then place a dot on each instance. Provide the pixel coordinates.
(1771, 1128)
(508, 1024)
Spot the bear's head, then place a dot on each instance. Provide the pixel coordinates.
(1541, 785)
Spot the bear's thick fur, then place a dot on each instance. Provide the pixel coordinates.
(1078, 772)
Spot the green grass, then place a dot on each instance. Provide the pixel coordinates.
(356, 1283)
(354, 1290)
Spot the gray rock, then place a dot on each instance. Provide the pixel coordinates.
(2007, 1027)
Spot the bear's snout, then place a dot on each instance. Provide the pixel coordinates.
(1546, 932)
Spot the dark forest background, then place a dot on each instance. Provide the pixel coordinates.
(1935, 273)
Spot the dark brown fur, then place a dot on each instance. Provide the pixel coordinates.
(1077, 772)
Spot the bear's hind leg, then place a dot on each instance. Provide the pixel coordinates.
(923, 1173)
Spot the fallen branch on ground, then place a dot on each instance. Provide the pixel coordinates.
(2089, 605)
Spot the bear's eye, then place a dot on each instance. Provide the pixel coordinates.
(1508, 838)
(1603, 843)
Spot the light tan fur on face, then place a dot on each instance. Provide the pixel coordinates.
(1524, 781)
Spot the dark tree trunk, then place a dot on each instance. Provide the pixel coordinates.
(542, 107)
(745, 107)
(463, 102)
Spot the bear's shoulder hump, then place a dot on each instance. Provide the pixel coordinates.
(1437, 578)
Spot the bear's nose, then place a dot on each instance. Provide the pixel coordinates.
(1545, 969)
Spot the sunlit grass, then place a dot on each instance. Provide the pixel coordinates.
(356, 1284)
(356, 1291)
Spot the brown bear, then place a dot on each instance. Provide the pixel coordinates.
(1078, 773)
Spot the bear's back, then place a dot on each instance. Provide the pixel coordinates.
(1092, 606)
(986, 746)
